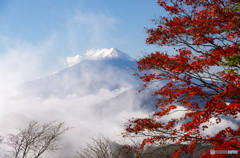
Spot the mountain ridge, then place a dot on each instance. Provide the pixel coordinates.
(105, 57)
(111, 70)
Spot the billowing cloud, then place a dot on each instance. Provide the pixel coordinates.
(99, 102)
(87, 114)
(73, 60)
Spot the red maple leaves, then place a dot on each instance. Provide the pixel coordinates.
(206, 33)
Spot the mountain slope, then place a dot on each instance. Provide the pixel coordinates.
(107, 68)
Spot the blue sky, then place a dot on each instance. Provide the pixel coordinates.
(52, 30)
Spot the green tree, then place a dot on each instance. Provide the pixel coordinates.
(234, 8)
(233, 61)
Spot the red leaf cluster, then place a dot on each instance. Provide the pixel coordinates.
(205, 33)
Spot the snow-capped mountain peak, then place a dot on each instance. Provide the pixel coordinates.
(108, 53)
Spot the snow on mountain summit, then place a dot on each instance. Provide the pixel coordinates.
(106, 53)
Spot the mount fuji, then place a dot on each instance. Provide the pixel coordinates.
(94, 96)
(105, 68)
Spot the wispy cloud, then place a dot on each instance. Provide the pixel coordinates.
(97, 29)
(73, 60)
(21, 61)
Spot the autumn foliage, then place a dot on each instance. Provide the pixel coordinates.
(203, 35)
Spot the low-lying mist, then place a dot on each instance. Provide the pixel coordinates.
(97, 100)
(91, 98)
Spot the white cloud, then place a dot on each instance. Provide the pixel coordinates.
(73, 60)
(90, 52)
(83, 113)
(21, 61)
(214, 129)
(90, 113)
